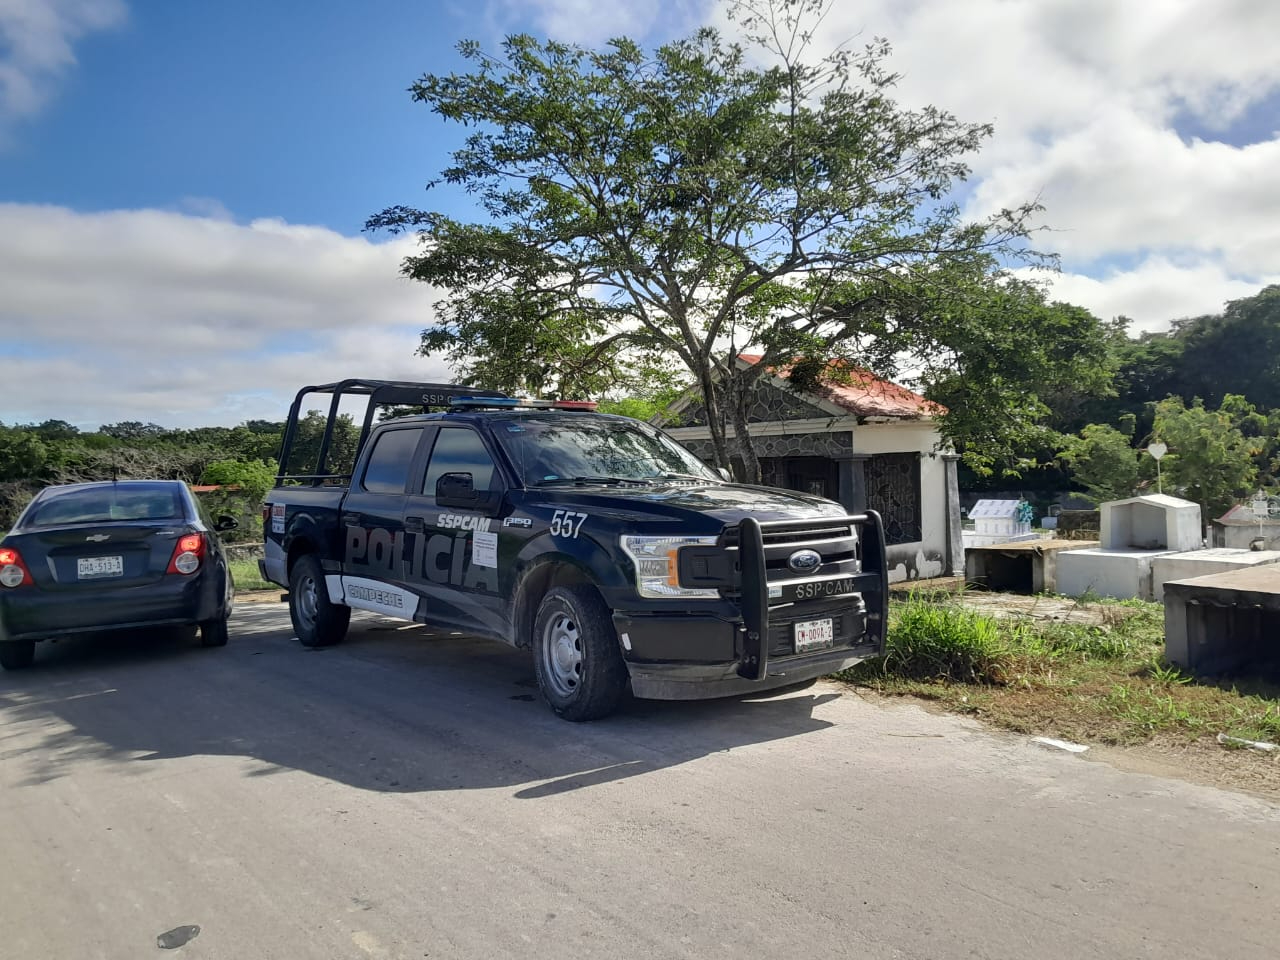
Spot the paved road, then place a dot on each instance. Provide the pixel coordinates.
(404, 796)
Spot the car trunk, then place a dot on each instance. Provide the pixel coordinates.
(93, 556)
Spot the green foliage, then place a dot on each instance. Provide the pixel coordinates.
(659, 210)
(244, 486)
(245, 576)
(253, 477)
(1009, 366)
(305, 453)
(33, 455)
(1210, 460)
(1103, 462)
(931, 641)
(24, 456)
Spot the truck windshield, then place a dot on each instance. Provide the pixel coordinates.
(568, 448)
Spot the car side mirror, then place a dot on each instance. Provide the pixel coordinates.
(725, 475)
(456, 490)
(226, 523)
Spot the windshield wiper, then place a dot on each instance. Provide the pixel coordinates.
(584, 480)
(686, 476)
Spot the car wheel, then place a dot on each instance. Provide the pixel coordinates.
(213, 633)
(17, 654)
(579, 667)
(316, 621)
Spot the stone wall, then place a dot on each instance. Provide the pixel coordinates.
(769, 406)
(831, 445)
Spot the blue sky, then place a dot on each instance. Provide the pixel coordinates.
(183, 186)
(287, 109)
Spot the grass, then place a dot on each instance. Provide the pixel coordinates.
(244, 573)
(1100, 683)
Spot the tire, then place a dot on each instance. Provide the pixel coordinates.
(316, 621)
(17, 654)
(213, 633)
(575, 653)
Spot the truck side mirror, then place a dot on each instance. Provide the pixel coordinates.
(456, 490)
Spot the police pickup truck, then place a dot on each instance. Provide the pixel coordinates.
(598, 542)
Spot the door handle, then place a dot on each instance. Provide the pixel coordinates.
(353, 520)
(415, 524)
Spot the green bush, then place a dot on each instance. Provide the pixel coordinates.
(931, 641)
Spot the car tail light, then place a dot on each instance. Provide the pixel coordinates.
(13, 572)
(187, 554)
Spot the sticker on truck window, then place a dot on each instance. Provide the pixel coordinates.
(277, 518)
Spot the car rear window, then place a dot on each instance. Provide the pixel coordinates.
(106, 505)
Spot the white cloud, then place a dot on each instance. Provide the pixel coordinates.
(36, 38)
(1086, 97)
(184, 320)
(1156, 291)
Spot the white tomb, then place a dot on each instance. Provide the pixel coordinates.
(997, 521)
(1136, 533)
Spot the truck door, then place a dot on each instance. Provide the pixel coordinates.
(456, 551)
(374, 547)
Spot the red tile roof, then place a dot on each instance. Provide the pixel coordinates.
(866, 395)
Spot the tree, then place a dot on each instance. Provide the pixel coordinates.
(1103, 462)
(24, 456)
(244, 484)
(1210, 460)
(56, 430)
(673, 208)
(131, 430)
(1237, 352)
(305, 452)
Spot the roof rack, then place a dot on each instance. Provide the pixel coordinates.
(508, 403)
(380, 393)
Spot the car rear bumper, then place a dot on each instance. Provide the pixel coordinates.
(28, 613)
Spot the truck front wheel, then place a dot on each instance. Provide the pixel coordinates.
(575, 653)
(316, 621)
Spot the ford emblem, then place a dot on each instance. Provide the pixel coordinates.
(804, 561)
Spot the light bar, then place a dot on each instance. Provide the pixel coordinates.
(513, 402)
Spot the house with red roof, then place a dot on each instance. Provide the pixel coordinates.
(859, 440)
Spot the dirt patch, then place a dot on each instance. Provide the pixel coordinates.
(259, 596)
(1199, 760)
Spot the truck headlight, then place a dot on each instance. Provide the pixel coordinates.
(658, 573)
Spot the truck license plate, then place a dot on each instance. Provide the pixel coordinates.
(90, 568)
(814, 635)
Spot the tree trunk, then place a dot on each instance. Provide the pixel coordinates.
(711, 399)
(738, 391)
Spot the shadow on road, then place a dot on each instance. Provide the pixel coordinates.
(394, 709)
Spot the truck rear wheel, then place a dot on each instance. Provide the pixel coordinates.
(316, 621)
(575, 653)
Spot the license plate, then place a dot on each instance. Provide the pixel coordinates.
(90, 568)
(814, 635)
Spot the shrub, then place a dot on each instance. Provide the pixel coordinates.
(930, 641)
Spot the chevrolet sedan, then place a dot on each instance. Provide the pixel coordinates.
(89, 557)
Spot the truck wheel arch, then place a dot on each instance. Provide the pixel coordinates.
(299, 547)
(532, 586)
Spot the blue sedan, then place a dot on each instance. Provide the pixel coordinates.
(87, 557)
